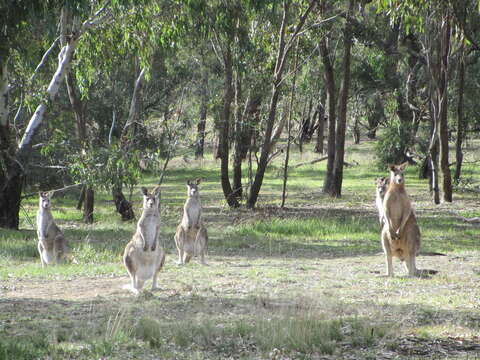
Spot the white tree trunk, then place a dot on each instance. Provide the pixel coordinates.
(64, 58)
(132, 113)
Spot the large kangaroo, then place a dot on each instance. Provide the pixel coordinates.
(51, 241)
(191, 237)
(400, 233)
(143, 256)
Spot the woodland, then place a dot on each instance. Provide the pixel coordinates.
(287, 111)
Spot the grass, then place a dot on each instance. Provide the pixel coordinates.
(301, 282)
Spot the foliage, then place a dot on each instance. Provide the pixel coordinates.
(106, 167)
(393, 144)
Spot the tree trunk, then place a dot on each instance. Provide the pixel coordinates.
(460, 117)
(321, 124)
(123, 206)
(374, 116)
(289, 128)
(203, 112)
(331, 99)
(282, 54)
(337, 176)
(238, 137)
(70, 80)
(356, 130)
(11, 175)
(81, 198)
(444, 151)
(88, 205)
(433, 149)
(224, 129)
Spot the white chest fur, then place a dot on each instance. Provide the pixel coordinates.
(44, 219)
(192, 212)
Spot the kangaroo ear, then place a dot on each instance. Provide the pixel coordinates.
(144, 191)
(188, 182)
(391, 167)
(198, 180)
(156, 191)
(402, 166)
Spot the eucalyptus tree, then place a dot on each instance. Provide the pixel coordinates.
(15, 158)
(220, 21)
(285, 44)
(434, 23)
(337, 102)
(136, 42)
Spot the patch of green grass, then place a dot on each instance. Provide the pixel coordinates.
(24, 347)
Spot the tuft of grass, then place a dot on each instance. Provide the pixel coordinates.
(306, 332)
(24, 347)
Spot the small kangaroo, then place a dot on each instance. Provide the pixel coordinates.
(143, 256)
(400, 233)
(381, 189)
(191, 236)
(51, 241)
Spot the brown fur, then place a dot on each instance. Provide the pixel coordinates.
(400, 233)
(143, 256)
(191, 237)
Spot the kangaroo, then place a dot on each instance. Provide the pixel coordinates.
(52, 245)
(400, 233)
(143, 256)
(191, 236)
(381, 189)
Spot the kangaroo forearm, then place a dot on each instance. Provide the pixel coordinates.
(405, 218)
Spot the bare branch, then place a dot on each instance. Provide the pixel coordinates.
(44, 59)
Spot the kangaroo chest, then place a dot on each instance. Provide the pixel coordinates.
(44, 218)
(150, 227)
(396, 203)
(193, 209)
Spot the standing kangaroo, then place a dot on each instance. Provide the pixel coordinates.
(400, 233)
(51, 241)
(191, 237)
(381, 189)
(143, 256)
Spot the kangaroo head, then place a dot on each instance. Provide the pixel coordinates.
(151, 200)
(396, 173)
(192, 188)
(382, 184)
(45, 200)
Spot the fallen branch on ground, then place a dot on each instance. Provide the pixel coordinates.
(474, 220)
(311, 162)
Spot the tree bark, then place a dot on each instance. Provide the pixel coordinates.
(203, 112)
(88, 205)
(289, 128)
(444, 150)
(224, 129)
(123, 206)
(331, 100)
(460, 117)
(337, 175)
(321, 124)
(434, 150)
